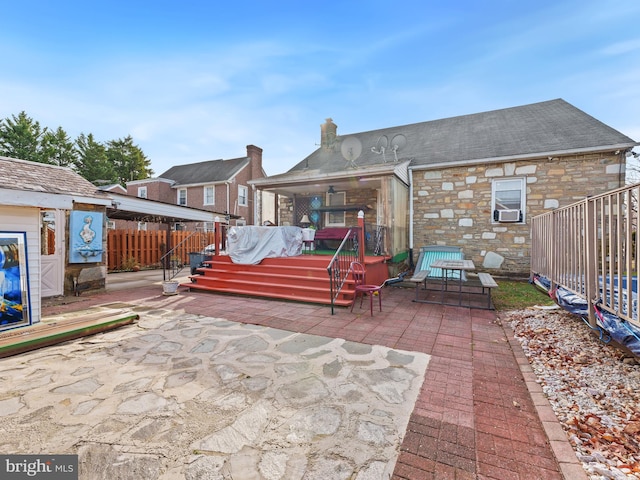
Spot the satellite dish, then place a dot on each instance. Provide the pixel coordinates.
(397, 143)
(351, 149)
(381, 146)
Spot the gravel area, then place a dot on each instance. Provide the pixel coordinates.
(593, 387)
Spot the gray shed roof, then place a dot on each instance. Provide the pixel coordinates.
(44, 178)
(211, 171)
(546, 128)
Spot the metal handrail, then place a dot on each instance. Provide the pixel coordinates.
(340, 264)
(590, 249)
(173, 266)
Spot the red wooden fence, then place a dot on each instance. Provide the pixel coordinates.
(126, 248)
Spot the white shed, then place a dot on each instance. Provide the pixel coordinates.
(53, 234)
(35, 201)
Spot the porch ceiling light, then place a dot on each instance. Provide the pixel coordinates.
(331, 191)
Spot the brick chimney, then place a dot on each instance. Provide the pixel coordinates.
(328, 133)
(255, 154)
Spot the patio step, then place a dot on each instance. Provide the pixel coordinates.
(281, 292)
(303, 278)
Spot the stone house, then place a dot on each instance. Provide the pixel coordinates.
(214, 185)
(471, 181)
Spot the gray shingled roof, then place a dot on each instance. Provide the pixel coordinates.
(553, 126)
(44, 178)
(211, 171)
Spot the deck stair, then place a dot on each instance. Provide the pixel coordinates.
(303, 278)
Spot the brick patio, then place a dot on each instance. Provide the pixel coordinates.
(474, 418)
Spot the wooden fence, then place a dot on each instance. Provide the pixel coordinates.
(127, 248)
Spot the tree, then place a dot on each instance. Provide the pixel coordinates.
(20, 137)
(128, 160)
(58, 149)
(92, 162)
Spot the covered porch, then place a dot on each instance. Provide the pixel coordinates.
(326, 201)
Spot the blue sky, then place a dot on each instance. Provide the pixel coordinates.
(199, 80)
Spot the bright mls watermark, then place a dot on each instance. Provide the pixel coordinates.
(50, 467)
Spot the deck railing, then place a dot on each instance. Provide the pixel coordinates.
(590, 249)
(340, 264)
(375, 238)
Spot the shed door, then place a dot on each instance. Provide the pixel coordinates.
(52, 252)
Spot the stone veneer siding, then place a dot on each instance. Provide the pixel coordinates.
(453, 206)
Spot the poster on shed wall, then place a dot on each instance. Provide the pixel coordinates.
(14, 281)
(85, 233)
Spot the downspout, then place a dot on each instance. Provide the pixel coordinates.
(411, 265)
(228, 212)
(257, 218)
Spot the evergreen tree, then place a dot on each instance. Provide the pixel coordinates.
(128, 160)
(92, 162)
(58, 149)
(20, 137)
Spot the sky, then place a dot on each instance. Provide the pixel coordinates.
(200, 80)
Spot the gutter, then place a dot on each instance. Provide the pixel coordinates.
(512, 158)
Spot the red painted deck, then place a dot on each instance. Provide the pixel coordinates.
(303, 278)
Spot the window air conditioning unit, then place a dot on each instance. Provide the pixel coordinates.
(509, 216)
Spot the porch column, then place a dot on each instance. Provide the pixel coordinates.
(361, 236)
(217, 235)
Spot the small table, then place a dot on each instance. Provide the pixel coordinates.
(453, 265)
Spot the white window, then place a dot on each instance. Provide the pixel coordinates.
(508, 200)
(243, 196)
(335, 218)
(209, 227)
(241, 222)
(111, 225)
(179, 227)
(209, 195)
(142, 192)
(182, 196)
(142, 226)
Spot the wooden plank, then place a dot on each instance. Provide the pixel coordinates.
(46, 334)
(420, 276)
(487, 280)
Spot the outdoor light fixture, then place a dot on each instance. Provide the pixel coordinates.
(331, 191)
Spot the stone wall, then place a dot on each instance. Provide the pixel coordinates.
(453, 206)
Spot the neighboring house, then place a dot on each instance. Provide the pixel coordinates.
(214, 185)
(113, 188)
(471, 181)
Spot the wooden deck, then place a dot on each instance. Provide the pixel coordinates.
(303, 278)
(63, 328)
